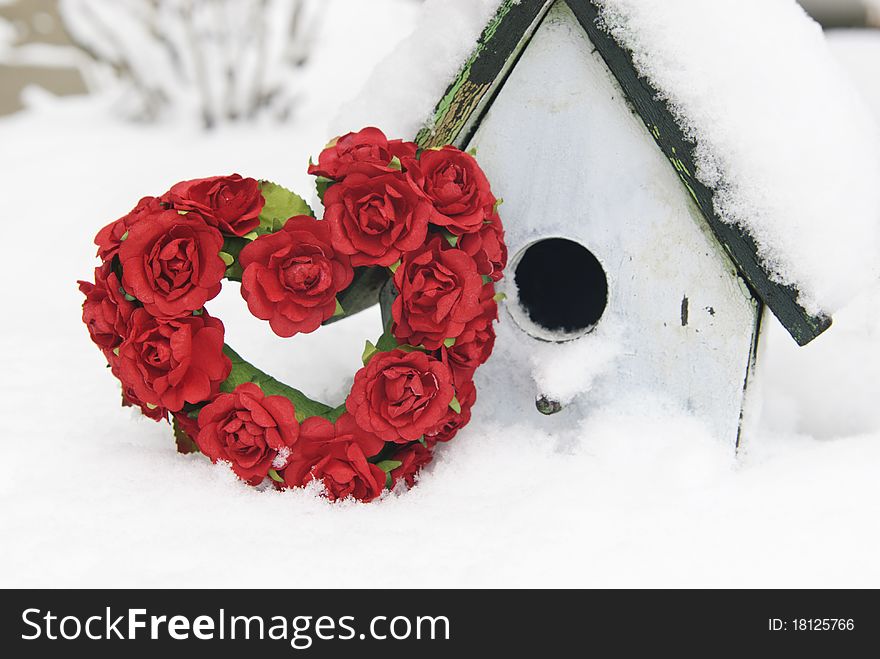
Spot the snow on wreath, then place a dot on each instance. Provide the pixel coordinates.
(421, 226)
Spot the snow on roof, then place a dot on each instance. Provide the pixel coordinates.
(401, 93)
(782, 138)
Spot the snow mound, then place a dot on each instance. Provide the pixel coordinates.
(401, 93)
(782, 138)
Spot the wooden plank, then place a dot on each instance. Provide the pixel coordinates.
(470, 94)
(655, 113)
(678, 318)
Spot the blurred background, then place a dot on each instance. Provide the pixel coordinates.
(240, 60)
(220, 60)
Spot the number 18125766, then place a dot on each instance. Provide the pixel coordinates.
(811, 624)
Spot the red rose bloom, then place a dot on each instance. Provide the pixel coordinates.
(337, 456)
(189, 426)
(487, 248)
(253, 432)
(174, 361)
(475, 344)
(454, 421)
(130, 399)
(412, 459)
(106, 312)
(439, 294)
(111, 236)
(400, 395)
(456, 186)
(171, 263)
(291, 277)
(366, 152)
(376, 220)
(231, 203)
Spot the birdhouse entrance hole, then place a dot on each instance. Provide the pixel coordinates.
(562, 289)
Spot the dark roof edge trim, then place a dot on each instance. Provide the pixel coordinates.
(498, 48)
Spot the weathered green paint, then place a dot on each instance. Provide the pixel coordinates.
(484, 73)
(502, 39)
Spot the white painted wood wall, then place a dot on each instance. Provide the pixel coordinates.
(571, 160)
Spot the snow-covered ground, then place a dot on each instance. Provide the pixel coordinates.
(637, 495)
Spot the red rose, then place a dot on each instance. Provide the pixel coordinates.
(174, 361)
(106, 312)
(412, 459)
(171, 263)
(474, 345)
(400, 395)
(439, 294)
(189, 427)
(253, 432)
(456, 186)
(376, 220)
(487, 248)
(454, 421)
(366, 152)
(337, 456)
(231, 203)
(111, 236)
(291, 277)
(130, 399)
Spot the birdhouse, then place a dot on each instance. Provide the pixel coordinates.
(618, 231)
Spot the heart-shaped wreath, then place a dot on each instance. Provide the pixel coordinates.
(425, 221)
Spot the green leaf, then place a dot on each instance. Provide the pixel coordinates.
(369, 350)
(423, 442)
(185, 443)
(472, 152)
(455, 405)
(500, 297)
(124, 237)
(275, 477)
(450, 238)
(394, 266)
(130, 298)
(339, 310)
(388, 465)
(281, 205)
(487, 279)
(198, 312)
(253, 235)
(322, 183)
(449, 342)
(387, 343)
(498, 203)
(243, 371)
(232, 247)
(335, 413)
(395, 164)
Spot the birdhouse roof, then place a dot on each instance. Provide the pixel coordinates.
(742, 96)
